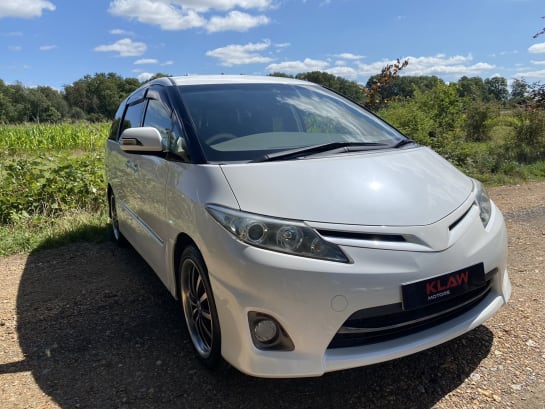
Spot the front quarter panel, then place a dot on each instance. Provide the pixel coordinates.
(189, 188)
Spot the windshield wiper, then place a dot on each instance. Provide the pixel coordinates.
(404, 142)
(317, 149)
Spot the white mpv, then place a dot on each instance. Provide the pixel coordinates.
(301, 233)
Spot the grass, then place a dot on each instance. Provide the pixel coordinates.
(26, 235)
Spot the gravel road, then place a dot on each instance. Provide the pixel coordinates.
(90, 326)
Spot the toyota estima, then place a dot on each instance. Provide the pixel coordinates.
(301, 233)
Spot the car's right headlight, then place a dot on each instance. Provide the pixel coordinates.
(285, 236)
(482, 199)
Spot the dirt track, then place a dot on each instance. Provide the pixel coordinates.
(91, 326)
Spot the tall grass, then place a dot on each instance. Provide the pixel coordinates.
(34, 138)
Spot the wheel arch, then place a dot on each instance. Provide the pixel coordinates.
(182, 242)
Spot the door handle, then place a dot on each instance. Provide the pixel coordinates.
(133, 166)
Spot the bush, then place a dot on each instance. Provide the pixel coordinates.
(49, 185)
(477, 122)
(527, 145)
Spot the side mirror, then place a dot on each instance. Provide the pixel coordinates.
(146, 139)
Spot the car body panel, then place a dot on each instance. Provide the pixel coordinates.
(397, 187)
(301, 294)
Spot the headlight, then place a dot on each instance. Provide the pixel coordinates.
(284, 236)
(482, 199)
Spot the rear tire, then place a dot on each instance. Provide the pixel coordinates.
(199, 308)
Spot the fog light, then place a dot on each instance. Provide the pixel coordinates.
(265, 331)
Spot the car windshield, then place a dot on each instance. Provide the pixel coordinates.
(246, 122)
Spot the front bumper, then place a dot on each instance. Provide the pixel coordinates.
(311, 299)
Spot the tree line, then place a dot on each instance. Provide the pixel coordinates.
(93, 98)
(96, 98)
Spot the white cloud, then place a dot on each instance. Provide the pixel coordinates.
(352, 68)
(203, 6)
(119, 31)
(24, 8)
(296, 67)
(531, 74)
(537, 48)
(439, 64)
(47, 47)
(349, 56)
(147, 61)
(15, 48)
(279, 47)
(235, 54)
(169, 62)
(187, 14)
(235, 21)
(537, 62)
(125, 47)
(144, 76)
(343, 71)
(165, 14)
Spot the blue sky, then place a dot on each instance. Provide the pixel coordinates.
(56, 42)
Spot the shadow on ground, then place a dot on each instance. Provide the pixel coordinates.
(99, 330)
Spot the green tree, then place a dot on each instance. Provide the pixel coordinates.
(7, 111)
(519, 91)
(99, 96)
(496, 89)
(472, 88)
(403, 86)
(58, 108)
(351, 89)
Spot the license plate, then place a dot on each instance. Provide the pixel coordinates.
(441, 288)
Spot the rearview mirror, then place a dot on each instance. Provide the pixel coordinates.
(146, 139)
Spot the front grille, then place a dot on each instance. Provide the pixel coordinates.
(388, 322)
(332, 234)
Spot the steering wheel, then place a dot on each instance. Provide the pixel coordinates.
(222, 136)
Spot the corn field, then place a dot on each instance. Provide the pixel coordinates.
(34, 138)
(47, 170)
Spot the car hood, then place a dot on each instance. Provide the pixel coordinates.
(387, 188)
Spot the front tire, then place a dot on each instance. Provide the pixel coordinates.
(199, 308)
(117, 235)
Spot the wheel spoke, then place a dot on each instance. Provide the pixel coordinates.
(205, 332)
(197, 308)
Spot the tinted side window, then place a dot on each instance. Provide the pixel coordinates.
(158, 116)
(161, 118)
(133, 115)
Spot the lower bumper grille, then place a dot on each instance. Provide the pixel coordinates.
(379, 324)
